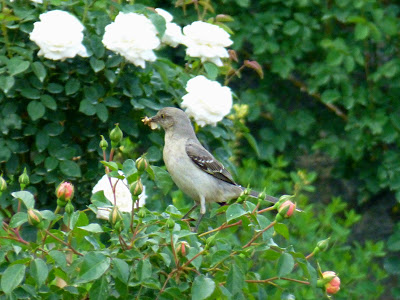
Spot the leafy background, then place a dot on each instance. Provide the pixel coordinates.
(324, 120)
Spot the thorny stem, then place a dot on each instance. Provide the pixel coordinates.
(276, 278)
(64, 243)
(58, 208)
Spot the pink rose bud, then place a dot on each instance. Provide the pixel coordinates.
(287, 209)
(65, 191)
(333, 285)
(182, 246)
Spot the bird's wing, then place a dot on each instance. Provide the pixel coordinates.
(206, 162)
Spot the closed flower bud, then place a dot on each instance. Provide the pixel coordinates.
(142, 164)
(116, 136)
(321, 246)
(23, 179)
(119, 226)
(115, 216)
(330, 281)
(3, 184)
(170, 223)
(287, 208)
(34, 217)
(182, 246)
(103, 143)
(69, 208)
(136, 188)
(65, 191)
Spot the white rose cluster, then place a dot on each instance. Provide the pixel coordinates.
(173, 33)
(133, 36)
(206, 41)
(59, 35)
(206, 101)
(122, 194)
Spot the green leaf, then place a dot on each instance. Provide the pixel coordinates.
(26, 197)
(211, 69)
(330, 96)
(285, 264)
(129, 167)
(36, 110)
(72, 86)
(87, 108)
(49, 102)
(93, 267)
(291, 27)
(234, 211)
(70, 168)
(50, 163)
(235, 280)
(361, 31)
(144, 269)
(97, 64)
(6, 83)
(99, 289)
(253, 143)
(39, 271)
(39, 70)
(18, 219)
(202, 287)
(12, 277)
(282, 229)
(94, 227)
(41, 140)
(102, 112)
(121, 269)
(30, 93)
(113, 166)
(163, 179)
(159, 22)
(16, 66)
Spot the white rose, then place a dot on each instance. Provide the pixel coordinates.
(37, 1)
(206, 101)
(122, 194)
(173, 33)
(206, 41)
(132, 36)
(58, 35)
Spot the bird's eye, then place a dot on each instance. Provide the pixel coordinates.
(162, 116)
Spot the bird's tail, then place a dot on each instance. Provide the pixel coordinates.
(255, 194)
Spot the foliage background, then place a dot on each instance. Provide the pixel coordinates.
(328, 103)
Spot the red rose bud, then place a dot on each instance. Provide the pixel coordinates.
(103, 143)
(65, 191)
(331, 282)
(142, 164)
(287, 208)
(34, 217)
(136, 188)
(115, 216)
(116, 136)
(23, 179)
(182, 246)
(3, 184)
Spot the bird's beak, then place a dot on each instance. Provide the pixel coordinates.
(151, 122)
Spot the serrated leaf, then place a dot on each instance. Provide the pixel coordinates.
(72, 86)
(234, 211)
(39, 271)
(285, 264)
(26, 197)
(99, 289)
(144, 269)
(70, 168)
(6, 83)
(121, 269)
(36, 110)
(94, 227)
(18, 219)
(39, 70)
(93, 267)
(235, 280)
(211, 70)
(202, 287)
(113, 166)
(97, 64)
(12, 277)
(282, 229)
(16, 66)
(163, 179)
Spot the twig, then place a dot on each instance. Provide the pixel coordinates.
(258, 234)
(64, 243)
(277, 278)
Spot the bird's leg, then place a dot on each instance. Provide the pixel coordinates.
(202, 212)
(190, 211)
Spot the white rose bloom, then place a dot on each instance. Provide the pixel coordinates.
(58, 35)
(122, 194)
(206, 101)
(37, 1)
(206, 41)
(132, 36)
(173, 33)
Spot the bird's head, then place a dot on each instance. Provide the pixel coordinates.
(168, 118)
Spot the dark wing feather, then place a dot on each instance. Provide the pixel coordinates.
(206, 162)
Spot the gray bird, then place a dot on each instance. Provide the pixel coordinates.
(193, 169)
